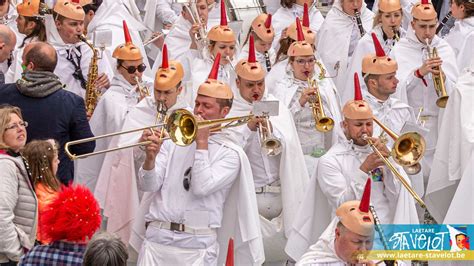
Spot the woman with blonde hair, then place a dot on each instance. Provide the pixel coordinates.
(18, 202)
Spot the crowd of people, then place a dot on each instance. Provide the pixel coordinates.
(163, 133)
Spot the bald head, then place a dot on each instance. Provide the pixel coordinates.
(7, 42)
(40, 56)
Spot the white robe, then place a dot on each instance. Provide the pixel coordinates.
(244, 54)
(109, 116)
(283, 17)
(453, 156)
(458, 38)
(64, 68)
(292, 174)
(337, 29)
(364, 47)
(11, 23)
(409, 54)
(338, 179)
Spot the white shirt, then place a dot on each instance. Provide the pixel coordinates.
(457, 39)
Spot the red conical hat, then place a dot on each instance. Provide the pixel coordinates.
(229, 261)
(309, 35)
(424, 11)
(365, 201)
(262, 27)
(357, 108)
(28, 8)
(213, 87)
(250, 69)
(222, 32)
(305, 16)
(387, 6)
(169, 75)
(69, 9)
(378, 63)
(127, 51)
(300, 47)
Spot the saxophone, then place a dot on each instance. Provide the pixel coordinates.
(92, 94)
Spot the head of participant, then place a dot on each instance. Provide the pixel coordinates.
(222, 39)
(39, 56)
(389, 16)
(202, 7)
(129, 59)
(214, 98)
(350, 6)
(462, 9)
(424, 21)
(262, 32)
(168, 80)
(7, 43)
(301, 56)
(250, 76)
(379, 72)
(30, 21)
(69, 19)
(358, 117)
(355, 229)
(4, 8)
(90, 8)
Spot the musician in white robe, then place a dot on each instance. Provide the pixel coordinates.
(416, 73)
(351, 231)
(463, 11)
(193, 192)
(450, 181)
(113, 106)
(279, 174)
(295, 92)
(341, 174)
(116, 188)
(387, 28)
(289, 11)
(339, 35)
(262, 31)
(74, 56)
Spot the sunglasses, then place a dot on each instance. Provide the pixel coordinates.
(132, 69)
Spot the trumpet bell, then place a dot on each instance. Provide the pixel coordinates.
(442, 101)
(325, 124)
(182, 127)
(271, 147)
(409, 149)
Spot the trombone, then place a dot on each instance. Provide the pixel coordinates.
(181, 126)
(438, 79)
(323, 122)
(270, 145)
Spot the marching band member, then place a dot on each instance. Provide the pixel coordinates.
(416, 85)
(114, 105)
(349, 232)
(341, 27)
(7, 44)
(193, 192)
(8, 15)
(74, 56)
(262, 31)
(295, 92)
(117, 177)
(340, 177)
(279, 176)
(461, 36)
(292, 9)
(387, 27)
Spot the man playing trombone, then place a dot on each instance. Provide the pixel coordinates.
(277, 161)
(201, 194)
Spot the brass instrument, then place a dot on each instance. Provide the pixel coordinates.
(438, 79)
(378, 228)
(92, 94)
(155, 36)
(396, 33)
(201, 35)
(359, 22)
(395, 171)
(181, 126)
(230, 62)
(323, 122)
(142, 89)
(271, 145)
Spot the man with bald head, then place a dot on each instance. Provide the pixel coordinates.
(51, 111)
(7, 44)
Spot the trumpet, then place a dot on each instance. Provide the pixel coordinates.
(142, 89)
(359, 22)
(270, 145)
(181, 126)
(201, 35)
(323, 122)
(438, 79)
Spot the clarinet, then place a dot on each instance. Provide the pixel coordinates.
(379, 230)
(359, 22)
(443, 22)
(267, 61)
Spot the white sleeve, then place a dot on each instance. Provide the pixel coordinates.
(165, 13)
(152, 180)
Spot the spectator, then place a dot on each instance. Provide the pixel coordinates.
(105, 249)
(69, 221)
(51, 111)
(7, 44)
(18, 205)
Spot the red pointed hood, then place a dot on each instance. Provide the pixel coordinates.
(299, 30)
(365, 201)
(252, 57)
(378, 48)
(268, 21)
(425, 2)
(164, 61)
(229, 261)
(215, 67)
(357, 91)
(76, 1)
(126, 33)
(305, 15)
(223, 14)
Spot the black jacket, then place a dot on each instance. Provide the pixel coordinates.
(60, 116)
